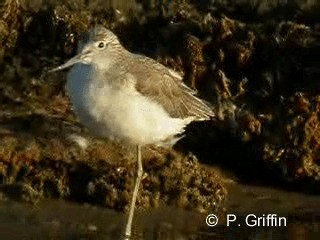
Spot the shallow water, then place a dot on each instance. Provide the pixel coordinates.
(57, 219)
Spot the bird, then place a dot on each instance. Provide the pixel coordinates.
(129, 97)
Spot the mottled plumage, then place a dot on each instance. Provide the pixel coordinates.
(166, 88)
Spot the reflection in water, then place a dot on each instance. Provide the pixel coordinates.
(57, 219)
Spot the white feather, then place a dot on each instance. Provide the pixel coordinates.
(119, 113)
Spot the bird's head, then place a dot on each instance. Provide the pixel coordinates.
(97, 49)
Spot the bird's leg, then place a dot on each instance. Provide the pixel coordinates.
(135, 193)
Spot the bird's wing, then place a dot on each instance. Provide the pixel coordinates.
(165, 87)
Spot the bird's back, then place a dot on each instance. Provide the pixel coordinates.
(165, 86)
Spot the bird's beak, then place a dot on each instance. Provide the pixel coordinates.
(72, 61)
(80, 58)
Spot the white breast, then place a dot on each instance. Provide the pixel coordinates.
(119, 113)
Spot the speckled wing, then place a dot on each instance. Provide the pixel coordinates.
(166, 87)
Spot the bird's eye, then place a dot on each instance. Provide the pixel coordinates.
(101, 45)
